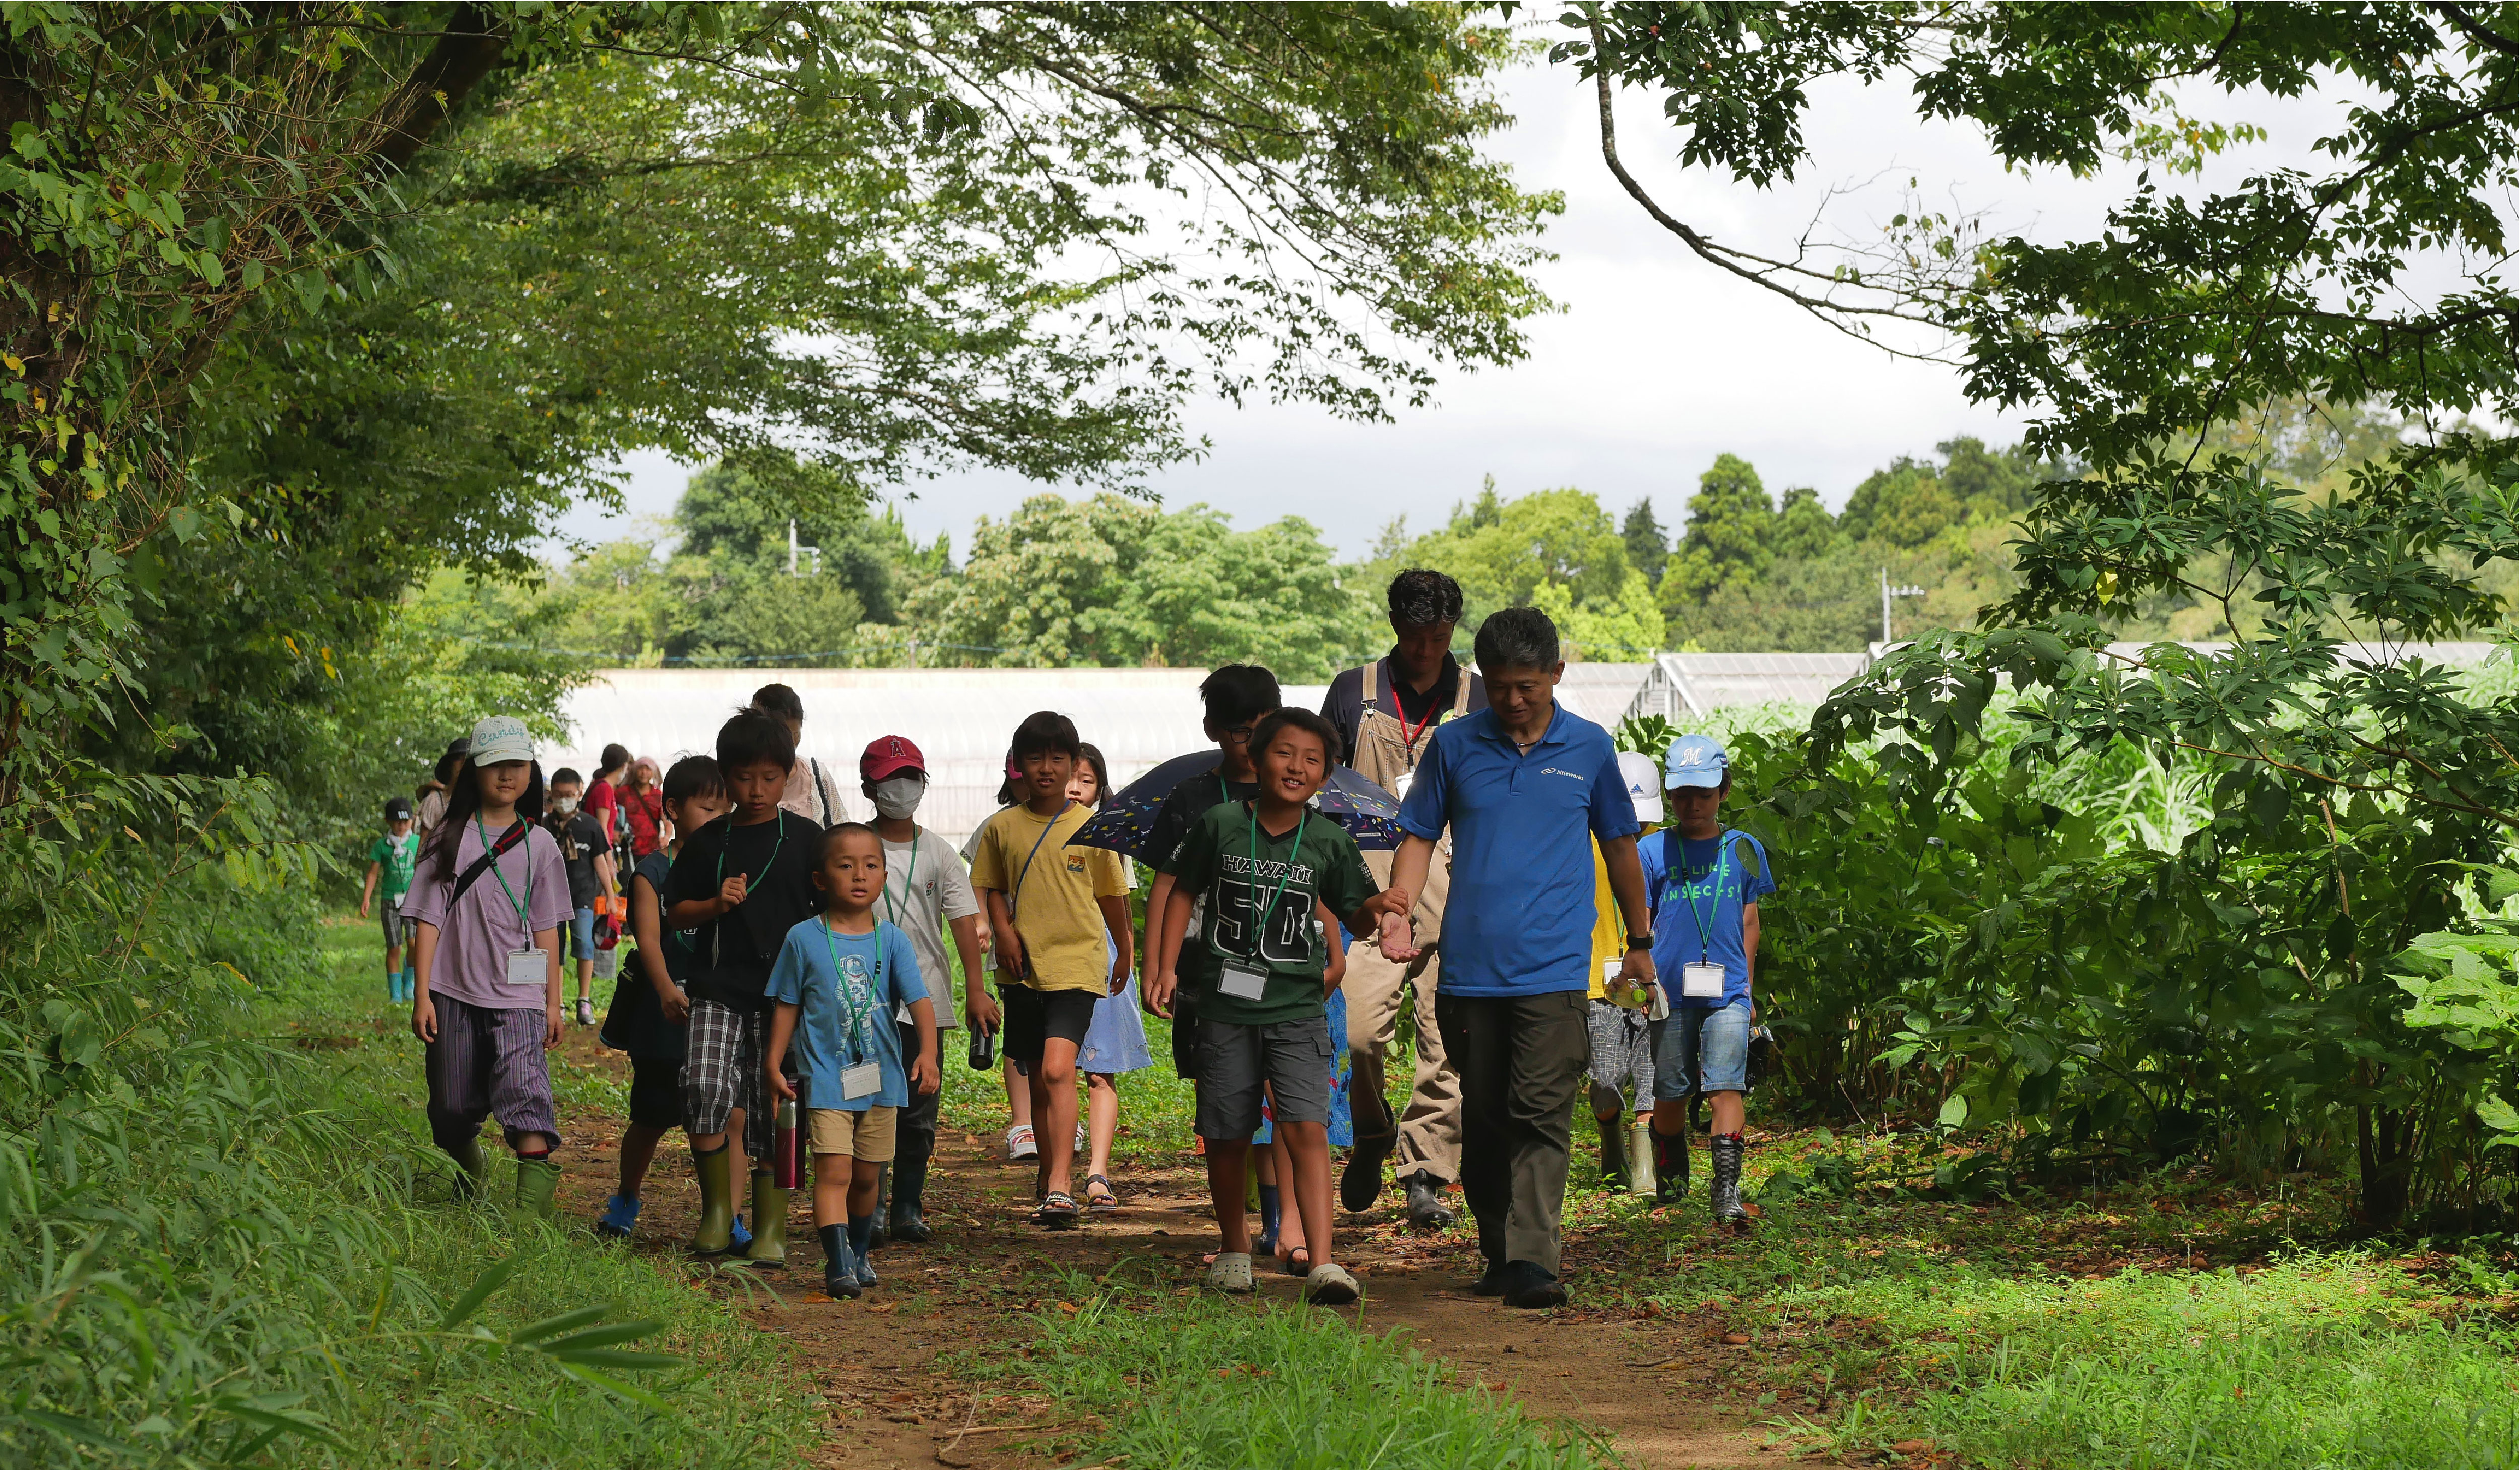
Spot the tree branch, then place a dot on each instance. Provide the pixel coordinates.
(465, 51)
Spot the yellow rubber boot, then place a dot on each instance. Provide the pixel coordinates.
(716, 1233)
(769, 1222)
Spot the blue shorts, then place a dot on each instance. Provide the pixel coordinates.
(579, 940)
(1702, 1051)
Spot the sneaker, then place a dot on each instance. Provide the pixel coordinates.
(1020, 1147)
(738, 1239)
(586, 1010)
(1331, 1286)
(1231, 1271)
(620, 1212)
(1532, 1289)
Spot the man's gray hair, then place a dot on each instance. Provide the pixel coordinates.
(1516, 638)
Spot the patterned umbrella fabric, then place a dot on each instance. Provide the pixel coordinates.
(1126, 823)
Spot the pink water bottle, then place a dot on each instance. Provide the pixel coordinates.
(782, 1146)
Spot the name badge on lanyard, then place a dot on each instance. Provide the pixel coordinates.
(1242, 982)
(864, 1080)
(528, 970)
(1400, 784)
(1700, 982)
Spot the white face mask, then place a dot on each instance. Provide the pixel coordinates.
(563, 804)
(897, 798)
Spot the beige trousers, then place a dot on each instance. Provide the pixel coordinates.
(1429, 1128)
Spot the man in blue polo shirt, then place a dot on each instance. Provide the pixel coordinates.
(1524, 788)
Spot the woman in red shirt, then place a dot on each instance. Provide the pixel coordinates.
(642, 807)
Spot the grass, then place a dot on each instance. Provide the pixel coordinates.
(1199, 1383)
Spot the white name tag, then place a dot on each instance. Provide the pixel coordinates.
(1400, 784)
(1243, 982)
(864, 1080)
(1701, 982)
(528, 968)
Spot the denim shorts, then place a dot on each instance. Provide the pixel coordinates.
(1702, 1051)
(578, 939)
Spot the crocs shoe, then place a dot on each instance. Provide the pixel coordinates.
(1331, 1286)
(620, 1212)
(1231, 1271)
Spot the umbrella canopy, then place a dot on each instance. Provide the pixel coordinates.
(1127, 820)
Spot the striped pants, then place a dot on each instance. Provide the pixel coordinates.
(487, 1063)
(722, 1072)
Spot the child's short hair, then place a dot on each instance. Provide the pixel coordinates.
(1090, 754)
(566, 776)
(1238, 692)
(1269, 729)
(831, 839)
(780, 702)
(752, 737)
(1516, 638)
(1420, 597)
(1044, 731)
(693, 776)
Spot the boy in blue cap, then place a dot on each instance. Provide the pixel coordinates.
(1705, 880)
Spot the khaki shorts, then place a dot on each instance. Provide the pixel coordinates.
(864, 1136)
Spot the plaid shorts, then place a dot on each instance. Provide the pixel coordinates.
(1622, 1056)
(722, 1072)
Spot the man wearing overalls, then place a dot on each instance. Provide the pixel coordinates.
(1387, 712)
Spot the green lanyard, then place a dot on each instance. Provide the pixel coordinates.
(498, 867)
(777, 841)
(1260, 926)
(909, 881)
(847, 994)
(1714, 900)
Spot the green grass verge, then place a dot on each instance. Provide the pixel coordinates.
(1203, 1383)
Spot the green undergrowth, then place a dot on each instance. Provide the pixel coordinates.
(230, 1244)
(1203, 1383)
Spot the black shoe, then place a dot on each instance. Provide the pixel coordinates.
(1614, 1151)
(910, 1225)
(1426, 1208)
(1532, 1289)
(1361, 1181)
(1493, 1283)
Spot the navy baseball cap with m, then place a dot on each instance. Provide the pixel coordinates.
(1695, 760)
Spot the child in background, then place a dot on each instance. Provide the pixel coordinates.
(487, 899)
(1021, 1146)
(650, 1006)
(1115, 1042)
(1050, 905)
(1264, 868)
(840, 979)
(1618, 1026)
(587, 854)
(927, 891)
(743, 881)
(1704, 880)
(603, 803)
(391, 861)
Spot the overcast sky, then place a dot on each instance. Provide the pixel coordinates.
(1656, 362)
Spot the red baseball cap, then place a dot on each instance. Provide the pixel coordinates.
(890, 756)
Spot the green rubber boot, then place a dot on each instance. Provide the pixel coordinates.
(475, 1164)
(716, 1233)
(536, 1179)
(769, 1222)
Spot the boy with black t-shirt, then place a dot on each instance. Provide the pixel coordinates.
(1235, 697)
(586, 851)
(742, 882)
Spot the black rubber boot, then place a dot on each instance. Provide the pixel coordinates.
(882, 1204)
(1724, 1179)
(1428, 1210)
(1377, 1133)
(1671, 1167)
(1614, 1151)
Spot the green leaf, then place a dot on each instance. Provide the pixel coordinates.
(484, 1286)
(1955, 1111)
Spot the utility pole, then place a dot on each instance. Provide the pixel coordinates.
(1887, 593)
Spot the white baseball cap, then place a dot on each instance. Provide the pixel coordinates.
(1644, 783)
(501, 737)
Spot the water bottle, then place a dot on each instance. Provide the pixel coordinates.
(984, 1048)
(783, 1145)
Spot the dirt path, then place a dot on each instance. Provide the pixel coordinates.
(975, 1282)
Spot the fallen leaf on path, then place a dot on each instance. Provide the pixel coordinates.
(1914, 1446)
(1736, 1339)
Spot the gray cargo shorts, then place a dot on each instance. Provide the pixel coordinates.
(1296, 1058)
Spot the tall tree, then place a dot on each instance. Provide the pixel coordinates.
(1732, 523)
(1649, 544)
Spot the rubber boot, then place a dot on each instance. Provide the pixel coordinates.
(882, 1204)
(839, 1266)
(1641, 1159)
(1669, 1165)
(474, 1167)
(1724, 1179)
(905, 1213)
(769, 1222)
(1614, 1151)
(717, 1200)
(536, 1179)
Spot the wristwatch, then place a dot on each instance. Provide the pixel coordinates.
(1643, 941)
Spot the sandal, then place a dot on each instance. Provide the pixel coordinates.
(1058, 1212)
(1020, 1147)
(1296, 1268)
(1107, 1199)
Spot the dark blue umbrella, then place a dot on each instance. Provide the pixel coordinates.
(1127, 820)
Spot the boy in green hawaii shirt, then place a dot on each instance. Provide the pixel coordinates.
(391, 858)
(1266, 866)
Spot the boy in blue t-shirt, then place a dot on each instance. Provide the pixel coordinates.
(838, 980)
(1704, 881)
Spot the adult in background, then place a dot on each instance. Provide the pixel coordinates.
(643, 807)
(811, 794)
(431, 808)
(1525, 788)
(1386, 714)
